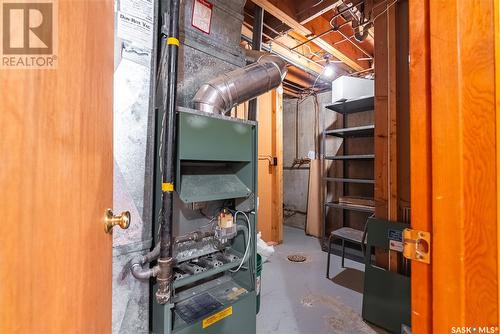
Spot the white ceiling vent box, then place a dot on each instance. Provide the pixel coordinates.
(346, 88)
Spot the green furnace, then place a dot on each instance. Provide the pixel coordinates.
(203, 265)
(214, 274)
(214, 281)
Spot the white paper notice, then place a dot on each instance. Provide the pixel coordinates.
(135, 30)
(139, 8)
(202, 15)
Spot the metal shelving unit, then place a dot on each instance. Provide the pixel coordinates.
(357, 131)
(346, 108)
(350, 106)
(349, 207)
(342, 179)
(350, 157)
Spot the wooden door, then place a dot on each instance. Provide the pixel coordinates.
(454, 163)
(270, 172)
(497, 105)
(56, 178)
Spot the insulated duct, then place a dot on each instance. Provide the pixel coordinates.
(223, 93)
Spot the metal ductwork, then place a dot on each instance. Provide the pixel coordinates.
(361, 30)
(223, 93)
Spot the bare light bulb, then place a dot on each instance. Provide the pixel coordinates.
(329, 71)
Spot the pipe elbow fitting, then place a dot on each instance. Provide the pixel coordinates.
(143, 274)
(360, 34)
(223, 93)
(138, 262)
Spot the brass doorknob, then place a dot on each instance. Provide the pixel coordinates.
(122, 220)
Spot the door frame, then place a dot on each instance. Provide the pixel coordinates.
(454, 180)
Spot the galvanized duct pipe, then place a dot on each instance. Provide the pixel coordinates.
(361, 30)
(223, 93)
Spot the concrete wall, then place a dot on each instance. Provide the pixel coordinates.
(296, 180)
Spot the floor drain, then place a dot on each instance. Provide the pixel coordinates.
(296, 258)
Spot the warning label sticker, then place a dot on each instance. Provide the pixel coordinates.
(202, 15)
(217, 317)
(395, 240)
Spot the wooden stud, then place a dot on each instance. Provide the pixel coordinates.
(420, 157)
(385, 118)
(277, 229)
(270, 187)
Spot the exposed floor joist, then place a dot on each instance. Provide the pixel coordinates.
(345, 36)
(294, 24)
(307, 13)
(287, 54)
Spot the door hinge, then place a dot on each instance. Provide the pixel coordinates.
(417, 245)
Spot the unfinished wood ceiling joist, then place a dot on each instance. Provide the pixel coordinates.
(285, 14)
(307, 12)
(343, 39)
(287, 54)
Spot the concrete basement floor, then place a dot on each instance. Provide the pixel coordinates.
(297, 298)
